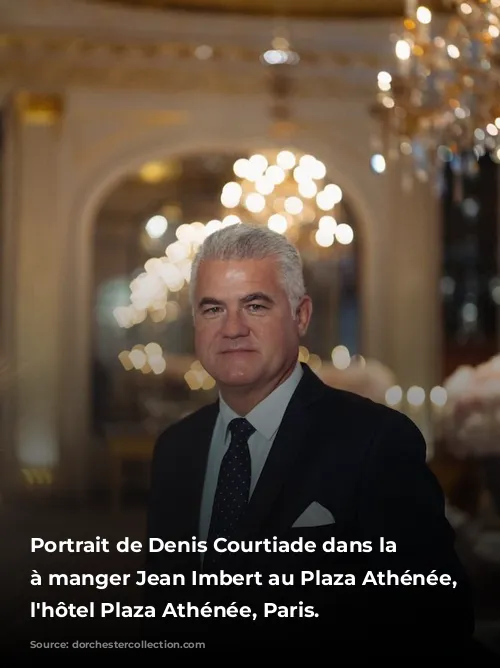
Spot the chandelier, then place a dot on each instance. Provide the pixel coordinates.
(286, 191)
(441, 102)
(154, 293)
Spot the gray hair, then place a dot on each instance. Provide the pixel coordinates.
(253, 242)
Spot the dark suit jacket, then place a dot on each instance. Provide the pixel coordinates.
(365, 463)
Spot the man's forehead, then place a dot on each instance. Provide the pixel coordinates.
(251, 270)
(235, 285)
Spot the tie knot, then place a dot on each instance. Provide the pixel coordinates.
(241, 427)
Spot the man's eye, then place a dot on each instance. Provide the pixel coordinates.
(256, 307)
(212, 310)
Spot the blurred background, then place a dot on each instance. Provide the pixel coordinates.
(367, 132)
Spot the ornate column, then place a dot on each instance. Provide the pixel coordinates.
(32, 279)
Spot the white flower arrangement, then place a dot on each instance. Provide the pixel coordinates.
(470, 420)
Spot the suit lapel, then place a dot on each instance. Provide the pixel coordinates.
(289, 448)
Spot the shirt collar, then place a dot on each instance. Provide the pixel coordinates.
(266, 417)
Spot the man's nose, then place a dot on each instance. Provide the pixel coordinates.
(234, 325)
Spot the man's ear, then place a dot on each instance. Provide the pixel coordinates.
(303, 314)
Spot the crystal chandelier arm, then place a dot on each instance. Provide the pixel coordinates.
(441, 102)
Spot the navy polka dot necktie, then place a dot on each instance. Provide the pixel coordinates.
(233, 485)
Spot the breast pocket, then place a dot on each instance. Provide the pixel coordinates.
(318, 534)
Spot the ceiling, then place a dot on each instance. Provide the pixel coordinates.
(340, 9)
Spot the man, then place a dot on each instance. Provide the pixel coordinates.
(281, 456)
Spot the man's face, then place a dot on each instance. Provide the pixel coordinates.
(245, 332)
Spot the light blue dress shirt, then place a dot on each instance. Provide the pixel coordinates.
(266, 418)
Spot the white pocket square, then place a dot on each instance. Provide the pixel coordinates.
(315, 515)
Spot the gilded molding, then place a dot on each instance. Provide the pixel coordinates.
(38, 108)
(45, 60)
(309, 9)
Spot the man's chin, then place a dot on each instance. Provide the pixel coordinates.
(237, 378)
(237, 381)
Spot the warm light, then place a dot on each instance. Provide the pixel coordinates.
(333, 192)
(153, 172)
(158, 365)
(258, 164)
(424, 15)
(307, 162)
(403, 49)
(255, 202)
(264, 185)
(324, 237)
(438, 396)
(308, 189)
(344, 234)
(300, 174)
(394, 395)
(138, 358)
(315, 363)
(325, 201)
(153, 350)
(277, 223)
(341, 357)
(156, 226)
(231, 219)
(303, 354)
(124, 358)
(177, 251)
(275, 174)
(184, 233)
(406, 148)
(286, 160)
(212, 226)
(240, 167)
(378, 164)
(293, 205)
(318, 170)
(231, 195)
(384, 78)
(203, 52)
(415, 396)
(198, 379)
(327, 224)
